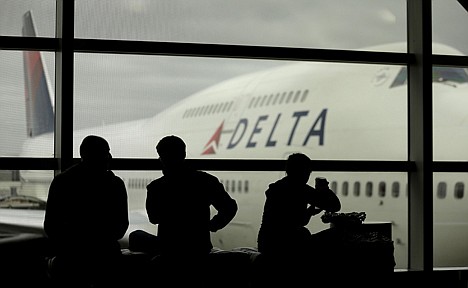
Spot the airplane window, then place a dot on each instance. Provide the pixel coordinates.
(282, 97)
(296, 97)
(263, 100)
(239, 186)
(227, 185)
(382, 188)
(269, 99)
(459, 190)
(211, 109)
(369, 189)
(230, 105)
(225, 108)
(233, 186)
(357, 189)
(439, 74)
(251, 102)
(246, 186)
(204, 110)
(289, 96)
(345, 188)
(304, 95)
(276, 98)
(442, 190)
(257, 99)
(395, 189)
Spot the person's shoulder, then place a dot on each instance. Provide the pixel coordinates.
(69, 172)
(115, 177)
(279, 183)
(155, 182)
(310, 189)
(204, 175)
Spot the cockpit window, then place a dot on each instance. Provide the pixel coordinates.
(439, 74)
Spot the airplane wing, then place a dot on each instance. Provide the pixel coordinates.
(16, 221)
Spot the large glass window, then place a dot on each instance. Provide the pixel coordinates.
(230, 103)
(449, 225)
(114, 88)
(12, 13)
(448, 32)
(21, 112)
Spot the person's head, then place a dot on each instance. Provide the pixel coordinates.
(95, 151)
(299, 167)
(171, 151)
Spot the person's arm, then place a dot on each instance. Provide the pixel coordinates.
(311, 211)
(52, 213)
(121, 220)
(151, 204)
(327, 200)
(225, 205)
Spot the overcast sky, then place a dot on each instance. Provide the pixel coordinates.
(131, 87)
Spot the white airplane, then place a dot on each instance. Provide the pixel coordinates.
(327, 111)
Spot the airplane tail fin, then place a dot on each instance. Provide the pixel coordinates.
(39, 109)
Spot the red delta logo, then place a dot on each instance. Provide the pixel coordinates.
(213, 143)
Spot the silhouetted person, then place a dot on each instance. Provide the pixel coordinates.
(86, 215)
(283, 238)
(179, 202)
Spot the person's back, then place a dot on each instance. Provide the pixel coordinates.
(290, 203)
(179, 202)
(181, 207)
(86, 215)
(285, 243)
